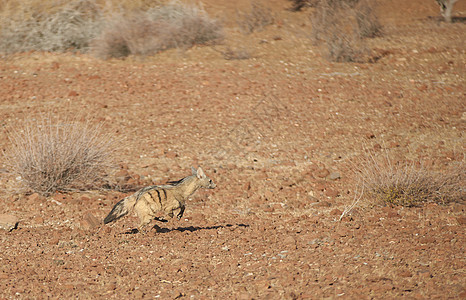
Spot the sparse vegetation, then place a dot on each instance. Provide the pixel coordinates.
(409, 183)
(258, 17)
(341, 26)
(68, 26)
(446, 8)
(157, 29)
(368, 24)
(298, 5)
(237, 53)
(110, 32)
(51, 157)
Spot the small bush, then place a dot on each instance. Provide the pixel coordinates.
(235, 53)
(368, 24)
(70, 26)
(51, 157)
(446, 8)
(256, 19)
(297, 5)
(340, 26)
(410, 184)
(157, 29)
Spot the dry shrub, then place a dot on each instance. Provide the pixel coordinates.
(60, 156)
(409, 183)
(59, 27)
(446, 8)
(340, 26)
(258, 17)
(298, 5)
(238, 53)
(159, 28)
(368, 24)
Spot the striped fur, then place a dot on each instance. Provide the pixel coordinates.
(169, 199)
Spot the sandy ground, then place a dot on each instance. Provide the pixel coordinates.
(278, 133)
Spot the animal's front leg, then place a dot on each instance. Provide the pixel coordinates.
(181, 212)
(172, 208)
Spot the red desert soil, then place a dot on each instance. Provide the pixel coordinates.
(269, 130)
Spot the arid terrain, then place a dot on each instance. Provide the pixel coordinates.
(279, 133)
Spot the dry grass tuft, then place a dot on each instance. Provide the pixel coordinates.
(258, 17)
(298, 5)
(368, 24)
(62, 27)
(49, 157)
(143, 27)
(237, 53)
(173, 25)
(341, 26)
(409, 183)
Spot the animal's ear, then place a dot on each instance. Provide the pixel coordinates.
(193, 170)
(200, 173)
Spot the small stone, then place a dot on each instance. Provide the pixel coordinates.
(289, 240)
(170, 154)
(461, 220)
(427, 240)
(268, 209)
(33, 197)
(138, 294)
(393, 214)
(8, 222)
(336, 212)
(85, 198)
(38, 220)
(334, 176)
(322, 204)
(90, 221)
(405, 273)
(370, 135)
(342, 232)
(331, 193)
(322, 173)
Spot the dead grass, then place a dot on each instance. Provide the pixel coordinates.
(256, 19)
(116, 29)
(368, 24)
(173, 25)
(409, 183)
(340, 27)
(48, 157)
(298, 5)
(236, 53)
(42, 26)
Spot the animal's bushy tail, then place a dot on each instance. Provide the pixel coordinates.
(122, 208)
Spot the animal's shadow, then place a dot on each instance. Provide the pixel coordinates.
(159, 229)
(454, 19)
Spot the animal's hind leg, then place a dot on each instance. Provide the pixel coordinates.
(144, 222)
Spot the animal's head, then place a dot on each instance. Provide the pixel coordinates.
(204, 181)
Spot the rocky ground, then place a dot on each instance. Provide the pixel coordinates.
(279, 133)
